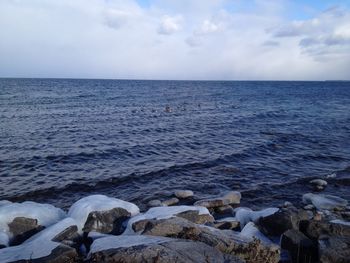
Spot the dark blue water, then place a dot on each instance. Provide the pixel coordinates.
(64, 139)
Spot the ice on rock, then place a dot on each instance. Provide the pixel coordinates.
(38, 246)
(327, 202)
(164, 213)
(124, 241)
(45, 214)
(81, 209)
(5, 202)
(251, 231)
(246, 215)
(4, 239)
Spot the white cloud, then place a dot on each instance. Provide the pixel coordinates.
(170, 39)
(170, 25)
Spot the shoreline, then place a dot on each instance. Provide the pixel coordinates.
(98, 228)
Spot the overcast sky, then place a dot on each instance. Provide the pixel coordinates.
(176, 39)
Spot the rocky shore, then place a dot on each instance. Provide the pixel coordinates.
(98, 228)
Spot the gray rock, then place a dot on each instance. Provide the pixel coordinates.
(22, 228)
(334, 249)
(109, 222)
(227, 223)
(309, 207)
(318, 182)
(250, 250)
(232, 197)
(281, 221)
(154, 203)
(314, 229)
(133, 249)
(182, 194)
(171, 201)
(300, 247)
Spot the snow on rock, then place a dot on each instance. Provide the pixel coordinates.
(165, 213)
(5, 202)
(327, 202)
(246, 215)
(4, 239)
(124, 241)
(45, 215)
(81, 209)
(38, 246)
(251, 231)
(341, 222)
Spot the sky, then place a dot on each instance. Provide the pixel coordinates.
(176, 39)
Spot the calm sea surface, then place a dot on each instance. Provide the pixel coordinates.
(64, 139)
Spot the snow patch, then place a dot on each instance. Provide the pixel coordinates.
(38, 246)
(45, 214)
(83, 207)
(251, 231)
(4, 239)
(327, 202)
(246, 215)
(5, 202)
(125, 241)
(341, 222)
(164, 213)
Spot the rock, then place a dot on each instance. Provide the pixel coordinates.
(4, 240)
(41, 247)
(154, 203)
(314, 229)
(183, 194)
(171, 201)
(251, 231)
(194, 214)
(318, 217)
(133, 249)
(281, 221)
(232, 197)
(318, 184)
(334, 249)
(224, 211)
(327, 202)
(300, 247)
(227, 223)
(102, 214)
(246, 215)
(287, 204)
(22, 228)
(309, 207)
(250, 250)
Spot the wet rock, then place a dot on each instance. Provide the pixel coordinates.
(223, 211)
(334, 249)
(22, 228)
(227, 223)
(287, 204)
(171, 201)
(199, 215)
(182, 194)
(314, 229)
(102, 214)
(232, 197)
(110, 221)
(300, 247)
(135, 249)
(327, 202)
(318, 184)
(154, 203)
(251, 250)
(309, 207)
(281, 221)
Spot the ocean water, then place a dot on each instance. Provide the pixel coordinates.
(63, 139)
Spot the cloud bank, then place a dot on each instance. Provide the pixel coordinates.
(173, 39)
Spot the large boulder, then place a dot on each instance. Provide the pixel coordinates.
(135, 248)
(228, 242)
(284, 219)
(19, 221)
(183, 194)
(300, 247)
(334, 249)
(45, 246)
(314, 229)
(232, 197)
(102, 214)
(199, 215)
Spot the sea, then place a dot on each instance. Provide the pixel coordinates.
(137, 140)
